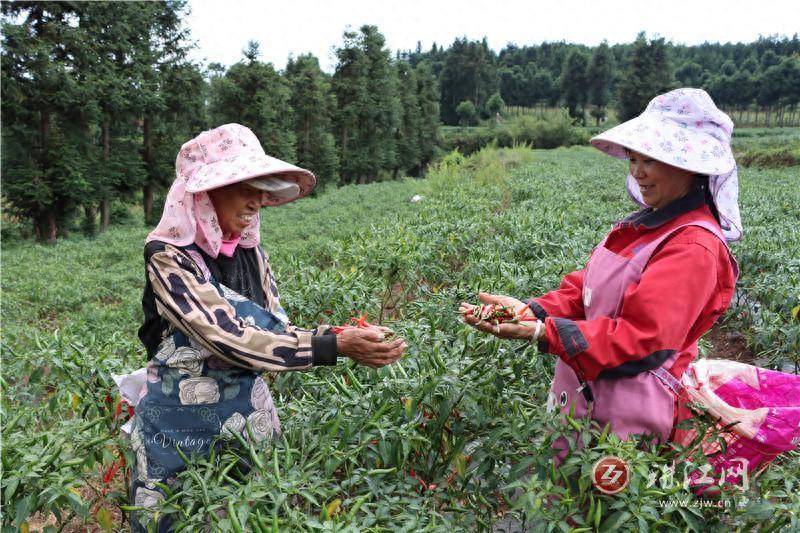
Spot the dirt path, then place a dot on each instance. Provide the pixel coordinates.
(728, 344)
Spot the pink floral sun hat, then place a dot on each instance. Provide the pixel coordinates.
(223, 156)
(684, 128)
(229, 154)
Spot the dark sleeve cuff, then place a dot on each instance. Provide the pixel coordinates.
(323, 349)
(571, 337)
(537, 309)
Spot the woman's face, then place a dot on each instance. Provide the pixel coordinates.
(659, 182)
(236, 205)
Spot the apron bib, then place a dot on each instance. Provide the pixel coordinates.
(192, 397)
(641, 404)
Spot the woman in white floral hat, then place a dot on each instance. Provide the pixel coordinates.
(213, 321)
(625, 327)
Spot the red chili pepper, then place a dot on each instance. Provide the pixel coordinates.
(422, 483)
(500, 314)
(358, 322)
(112, 472)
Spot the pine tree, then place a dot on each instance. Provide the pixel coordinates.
(428, 100)
(313, 104)
(368, 114)
(43, 146)
(469, 73)
(542, 88)
(116, 169)
(600, 76)
(408, 142)
(467, 114)
(648, 74)
(253, 94)
(349, 84)
(574, 83)
(384, 112)
(690, 74)
(495, 104)
(162, 45)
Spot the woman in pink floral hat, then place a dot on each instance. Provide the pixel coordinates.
(625, 327)
(213, 321)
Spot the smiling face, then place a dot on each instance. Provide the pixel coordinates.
(236, 205)
(659, 182)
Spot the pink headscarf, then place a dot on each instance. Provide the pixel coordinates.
(684, 128)
(225, 155)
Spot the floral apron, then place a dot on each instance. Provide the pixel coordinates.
(191, 397)
(641, 404)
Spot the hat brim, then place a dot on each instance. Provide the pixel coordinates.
(240, 168)
(714, 157)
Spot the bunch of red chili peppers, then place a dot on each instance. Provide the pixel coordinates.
(359, 322)
(499, 314)
(108, 475)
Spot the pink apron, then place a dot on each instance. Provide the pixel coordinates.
(644, 403)
(760, 408)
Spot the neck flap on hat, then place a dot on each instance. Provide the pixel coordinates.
(191, 218)
(724, 190)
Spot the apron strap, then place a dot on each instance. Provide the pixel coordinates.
(668, 379)
(647, 251)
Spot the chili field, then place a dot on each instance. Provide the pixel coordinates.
(455, 435)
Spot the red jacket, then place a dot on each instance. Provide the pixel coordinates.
(687, 284)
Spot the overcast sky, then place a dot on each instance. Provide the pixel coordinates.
(221, 28)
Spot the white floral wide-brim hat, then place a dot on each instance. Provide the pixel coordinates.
(685, 129)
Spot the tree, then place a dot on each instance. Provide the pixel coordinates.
(313, 103)
(750, 65)
(117, 170)
(495, 104)
(513, 85)
(647, 75)
(408, 144)
(600, 75)
(769, 59)
(467, 114)
(469, 73)
(542, 88)
(161, 45)
(384, 112)
(778, 87)
(368, 115)
(690, 74)
(728, 68)
(574, 83)
(428, 100)
(252, 93)
(43, 146)
(349, 85)
(723, 90)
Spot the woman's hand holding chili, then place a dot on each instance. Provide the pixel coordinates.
(527, 327)
(368, 346)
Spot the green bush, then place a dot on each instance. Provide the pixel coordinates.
(467, 114)
(549, 132)
(121, 214)
(770, 157)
